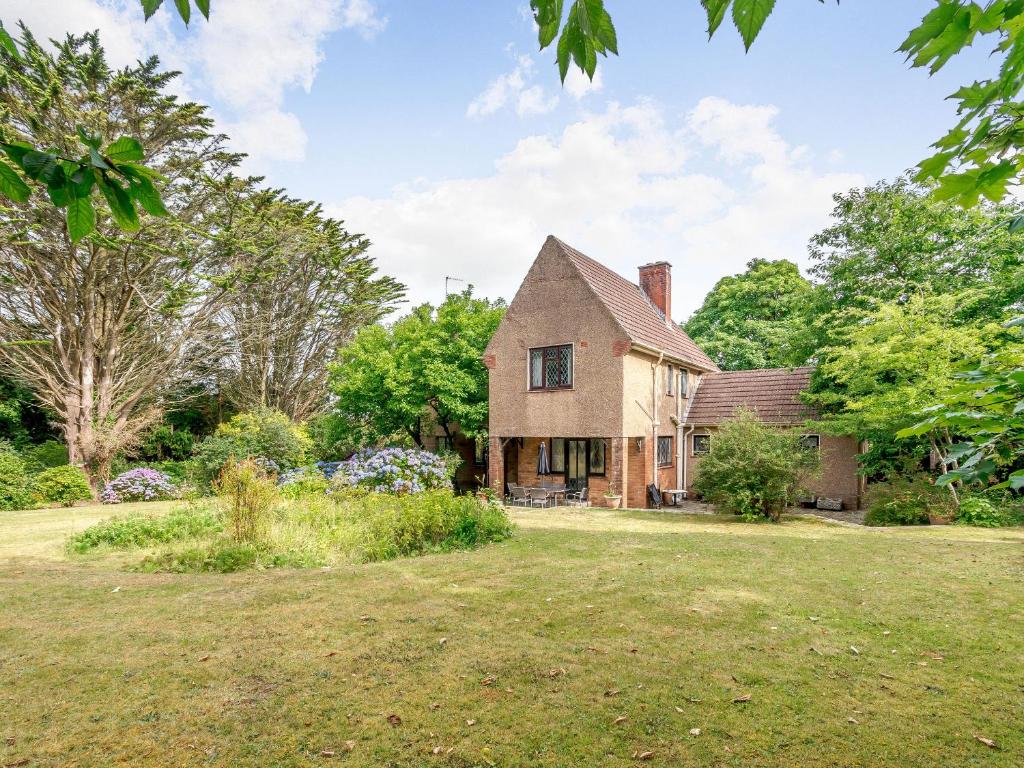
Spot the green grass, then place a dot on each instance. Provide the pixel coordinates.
(679, 615)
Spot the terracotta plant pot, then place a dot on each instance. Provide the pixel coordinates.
(613, 502)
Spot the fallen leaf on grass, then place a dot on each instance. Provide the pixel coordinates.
(394, 719)
(437, 750)
(435, 705)
(694, 701)
(350, 745)
(740, 699)
(679, 710)
(9, 741)
(471, 723)
(116, 589)
(612, 692)
(364, 617)
(987, 742)
(204, 658)
(327, 753)
(489, 680)
(596, 650)
(854, 651)
(330, 653)
(553, 673)
(853, 720)
(646, 755)
(442, 641)
(17, 764)
(619, 719)
(695, 731)
(886, 676)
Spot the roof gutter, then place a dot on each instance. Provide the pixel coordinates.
(662, 355)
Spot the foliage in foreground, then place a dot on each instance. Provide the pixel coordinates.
(754, 470)
(349, 525)
(148, 530)
(62, 485)
(249, 493)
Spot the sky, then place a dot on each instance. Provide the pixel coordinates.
(439, 131)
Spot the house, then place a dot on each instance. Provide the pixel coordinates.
(592, 366)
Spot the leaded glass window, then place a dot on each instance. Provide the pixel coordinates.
(551, 367)
(664, 451)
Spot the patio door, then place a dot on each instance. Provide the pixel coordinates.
(575, 464)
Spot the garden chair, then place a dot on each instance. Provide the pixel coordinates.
(519, 496)
(580, 498)
(538, 497)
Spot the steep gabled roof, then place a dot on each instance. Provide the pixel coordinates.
(633, 311)
(773, 393)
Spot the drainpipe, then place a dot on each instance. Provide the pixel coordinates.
(654, 419)
(691, 393)
(679, 427)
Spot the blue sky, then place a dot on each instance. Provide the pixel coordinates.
(439, 130)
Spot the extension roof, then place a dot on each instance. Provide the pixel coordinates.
(773, 393)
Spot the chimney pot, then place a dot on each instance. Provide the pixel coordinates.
(656, 282)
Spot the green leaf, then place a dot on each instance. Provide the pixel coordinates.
(89, 139)
(61, 195)
(143, 190)
(548, 15)
(564, 53)
(121, 206)
(81, 218)
(124, 149)
(41, 166)
(204, 8)
(715, 10)
(934, 166)
(931, 26)
(749, 16)
(184, 10)
(8, 44)
(12, 185)
(149, 7)
(97, 160)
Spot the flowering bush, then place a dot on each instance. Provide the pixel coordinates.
(395, 470)
(303, 482)
(140, 484)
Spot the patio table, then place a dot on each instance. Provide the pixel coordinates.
(674, 495)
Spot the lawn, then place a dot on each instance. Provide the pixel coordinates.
(590, 638)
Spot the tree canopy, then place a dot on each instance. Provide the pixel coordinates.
(423, 370)
(754, 319)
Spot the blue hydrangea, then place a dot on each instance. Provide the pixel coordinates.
(395, 470)
(140, 484)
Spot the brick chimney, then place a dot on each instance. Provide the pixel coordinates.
(656, 282)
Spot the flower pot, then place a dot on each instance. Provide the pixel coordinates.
(613, 502)
(939, 519)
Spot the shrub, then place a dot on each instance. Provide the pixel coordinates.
(62, 485)
(46, 455)
(385, 526)
(219, 557)
(146, 530)
(250, 493)
(986, 512)
(303, 482)
(906, 501)
(396, 470)
(14, 481)
(141, 484)
(268, 435)
(752, 469)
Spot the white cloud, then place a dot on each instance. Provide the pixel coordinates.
(579, 85)
(245, 60)
(513, 89)
(618, 185)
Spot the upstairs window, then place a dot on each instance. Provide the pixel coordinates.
(551, 367)
(671, 380)
(664, 451)
(684, 382)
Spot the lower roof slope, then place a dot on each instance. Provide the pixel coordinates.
(772, 393)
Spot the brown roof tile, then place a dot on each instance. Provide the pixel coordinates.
(773, 393)
(634, 312)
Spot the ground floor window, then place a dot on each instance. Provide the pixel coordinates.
(811, 442)
(701, 444)
(597, 456)
(480, 452)
(664, 451)
(445, 444)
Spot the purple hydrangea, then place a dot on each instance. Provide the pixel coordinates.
(396, 470)
(140, 484)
